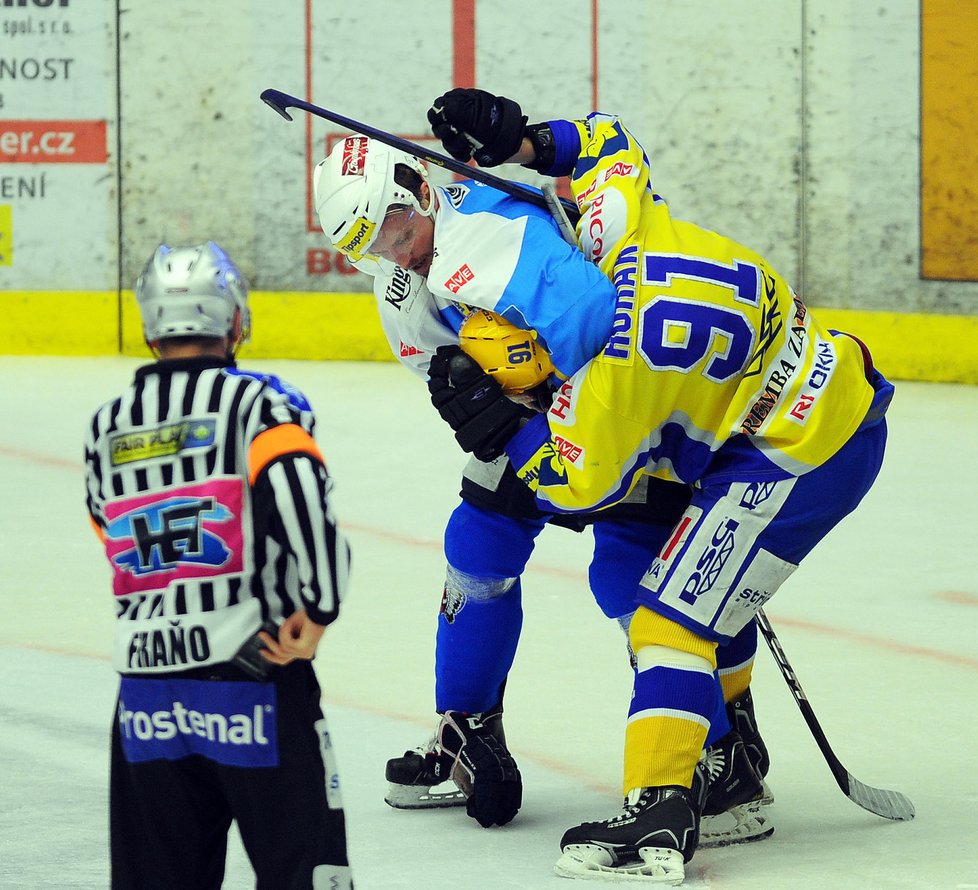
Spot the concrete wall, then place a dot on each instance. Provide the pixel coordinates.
(792, 126)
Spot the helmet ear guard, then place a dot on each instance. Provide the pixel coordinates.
(510, 355)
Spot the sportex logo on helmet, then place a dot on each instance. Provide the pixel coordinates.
(361, 232)
(354, 156)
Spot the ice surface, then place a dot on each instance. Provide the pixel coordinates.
(880, 623)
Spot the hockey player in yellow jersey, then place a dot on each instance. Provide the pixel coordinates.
(716, 375)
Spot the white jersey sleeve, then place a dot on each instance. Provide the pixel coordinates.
(414, 322)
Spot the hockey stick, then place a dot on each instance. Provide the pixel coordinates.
(282, 101)
(888, 804)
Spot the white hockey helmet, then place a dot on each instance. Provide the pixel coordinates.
(355, 188)
(193, 292)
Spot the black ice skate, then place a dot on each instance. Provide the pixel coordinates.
(732, 811)
(651, 840)
(482, 767)
(421, 780)
(431, 776)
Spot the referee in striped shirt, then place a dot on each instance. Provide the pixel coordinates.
(211, 498)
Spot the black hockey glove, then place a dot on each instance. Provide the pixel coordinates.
(482, 768)
(472, 403)
(477, 124)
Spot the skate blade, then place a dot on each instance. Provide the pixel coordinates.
(738, 825)
(424, 797)
(656, 865)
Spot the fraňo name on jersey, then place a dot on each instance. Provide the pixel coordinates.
(174, 646)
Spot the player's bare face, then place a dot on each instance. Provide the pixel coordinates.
(408, 239)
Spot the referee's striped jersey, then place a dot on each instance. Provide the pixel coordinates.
(211, 497)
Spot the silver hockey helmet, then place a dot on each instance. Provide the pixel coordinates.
(193, 292)
(355, 188)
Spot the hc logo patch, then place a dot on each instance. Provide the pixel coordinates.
(193, 531)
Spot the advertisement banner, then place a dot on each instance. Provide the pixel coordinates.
(58, 213)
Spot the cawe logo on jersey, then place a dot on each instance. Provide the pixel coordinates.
(569, 452)
(187, 532)
(354, 156)
(618, 169)
(460, 278)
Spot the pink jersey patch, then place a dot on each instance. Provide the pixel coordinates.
(192, 531)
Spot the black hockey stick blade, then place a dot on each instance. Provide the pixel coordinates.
(888, 804)
(281, 102)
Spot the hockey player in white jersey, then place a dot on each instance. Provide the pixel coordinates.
(498, 253)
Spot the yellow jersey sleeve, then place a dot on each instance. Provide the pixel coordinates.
(715, 369)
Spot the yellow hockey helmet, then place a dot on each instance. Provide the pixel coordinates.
(509, 354)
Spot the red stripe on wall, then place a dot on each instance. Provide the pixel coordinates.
(311, 221)
(594, 55)
(463, 42)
